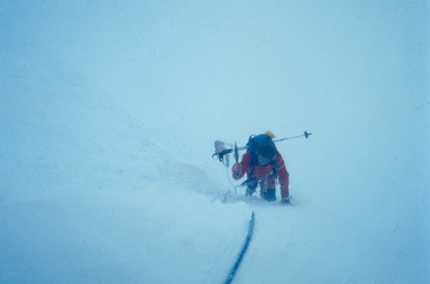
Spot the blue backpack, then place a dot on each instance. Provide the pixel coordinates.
(255, 142)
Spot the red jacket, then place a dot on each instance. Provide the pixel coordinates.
(276, 169)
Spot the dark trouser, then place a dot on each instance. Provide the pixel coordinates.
(268, 194)
(251, 189)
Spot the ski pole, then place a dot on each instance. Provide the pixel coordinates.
(305, 134)
(236, 153)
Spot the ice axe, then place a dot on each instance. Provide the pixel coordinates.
(236, 149)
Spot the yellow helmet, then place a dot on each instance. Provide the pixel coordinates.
(270, 134)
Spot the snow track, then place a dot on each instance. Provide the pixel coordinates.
(243, 250)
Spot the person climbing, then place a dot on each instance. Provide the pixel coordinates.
(220, 147)
(263, 165)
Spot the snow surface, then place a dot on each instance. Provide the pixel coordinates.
(109, 111)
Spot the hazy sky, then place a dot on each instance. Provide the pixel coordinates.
(355, 74)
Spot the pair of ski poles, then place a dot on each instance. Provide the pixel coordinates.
(236, 149)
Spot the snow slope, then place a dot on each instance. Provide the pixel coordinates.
(109, 111)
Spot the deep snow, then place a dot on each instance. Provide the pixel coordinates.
(109, 111)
